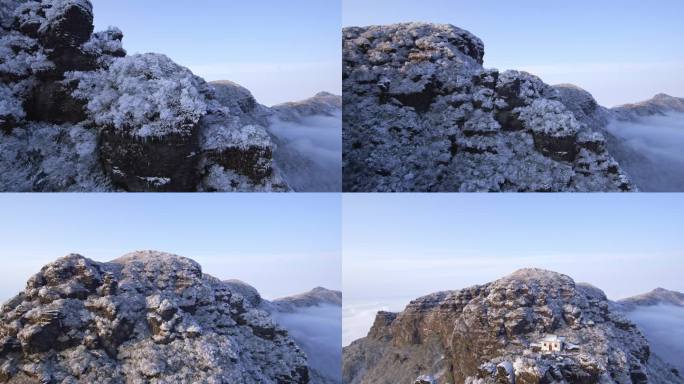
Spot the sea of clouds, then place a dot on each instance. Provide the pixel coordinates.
(660, 139)
(309, 153)
(663, 326)
(317, 331)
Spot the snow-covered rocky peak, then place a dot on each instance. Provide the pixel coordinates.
(145, 317)
(422, 114)
(77, 114)
(494, 333)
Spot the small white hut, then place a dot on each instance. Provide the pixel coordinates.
(552, 343)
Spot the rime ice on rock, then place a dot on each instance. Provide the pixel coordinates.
(421, 114)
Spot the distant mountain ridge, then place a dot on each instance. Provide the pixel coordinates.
(657, 105)
(323, 103)
(315, 297)
(657, 296)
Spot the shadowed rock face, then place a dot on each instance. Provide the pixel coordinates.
(421, 114)
(483, 334)
(145, 317)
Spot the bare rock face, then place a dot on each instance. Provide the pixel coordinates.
(421, 114)
(146, 317)
(488, 334)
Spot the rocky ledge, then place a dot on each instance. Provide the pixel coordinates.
(422, 114)
(495, 333)
(147, 317)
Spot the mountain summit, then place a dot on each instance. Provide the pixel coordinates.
(145, 317)
(532, 326)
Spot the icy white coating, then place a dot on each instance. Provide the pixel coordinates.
(422, 114)
(29, 57)
(145, 95)
(147, 317)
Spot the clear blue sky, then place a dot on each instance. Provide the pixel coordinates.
(280, 243)
(624, 244)
(621, 51)
(280, 50)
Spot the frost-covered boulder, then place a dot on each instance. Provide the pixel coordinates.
(145, 317)
(421, 114)
(149, 110)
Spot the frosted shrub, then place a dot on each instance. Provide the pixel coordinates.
(143, 95)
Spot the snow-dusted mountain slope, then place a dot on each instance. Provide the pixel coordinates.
(494, 333)
(422, 114)
(147, 317)
(314, 320)
(77, 114)
(645, 138)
